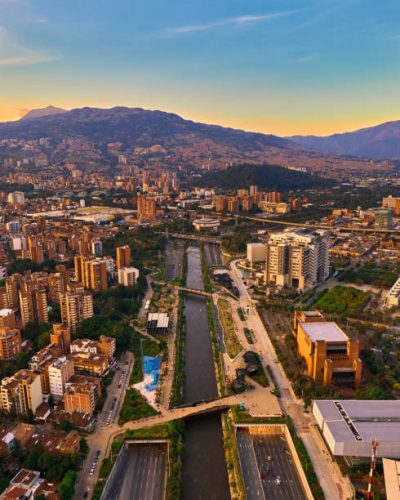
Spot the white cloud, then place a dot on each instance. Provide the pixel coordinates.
(305, 59)
(229, 21)
(12, 53)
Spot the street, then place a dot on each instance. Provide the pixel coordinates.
(106, 420)
(332, 481)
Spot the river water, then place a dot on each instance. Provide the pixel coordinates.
(204, 469)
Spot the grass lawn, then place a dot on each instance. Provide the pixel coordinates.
(342, 300)
(135, 407)
(233, 346)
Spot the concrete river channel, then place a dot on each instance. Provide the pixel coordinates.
(204, 469)
(140, 470)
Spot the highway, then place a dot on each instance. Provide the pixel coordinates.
(141, 474)
(335, 486)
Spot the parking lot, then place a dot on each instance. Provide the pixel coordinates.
(268, 467)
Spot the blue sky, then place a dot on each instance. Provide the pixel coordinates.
(279, 66)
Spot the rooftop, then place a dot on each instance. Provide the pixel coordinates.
(324, 330)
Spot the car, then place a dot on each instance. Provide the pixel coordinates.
(269, 458)
(86, 494)
(119, 386)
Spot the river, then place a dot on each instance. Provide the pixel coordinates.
(204, 469)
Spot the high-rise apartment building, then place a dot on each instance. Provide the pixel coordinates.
(7, 318)
(392, 202)
(128, 276)
(60, 371)
(146, 208)
(21, 393)
(57, 286)
(92, 273)
(10, 343)
(61, 336)
(384, 219)
(96, 247)
(33, 304)
(123, 256)
(80, 398)
(221, 203)
(16, 198)
(297, 259)
(75, 307)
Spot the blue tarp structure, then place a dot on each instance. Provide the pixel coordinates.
(151, 366)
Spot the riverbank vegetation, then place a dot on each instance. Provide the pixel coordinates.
(178, 382)
(232, 343)
(236, 483)
(135, 407)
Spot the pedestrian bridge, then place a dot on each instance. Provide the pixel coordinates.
(195, 291)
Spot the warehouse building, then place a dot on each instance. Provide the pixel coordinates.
(349, 426)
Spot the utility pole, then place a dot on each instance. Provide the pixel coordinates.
(375, 445)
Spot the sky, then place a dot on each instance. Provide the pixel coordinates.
(275, 66)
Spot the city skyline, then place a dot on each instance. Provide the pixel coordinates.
(285, 67)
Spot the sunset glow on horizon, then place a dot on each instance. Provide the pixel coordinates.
(288, 67)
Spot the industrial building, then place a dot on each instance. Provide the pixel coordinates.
(349, 426)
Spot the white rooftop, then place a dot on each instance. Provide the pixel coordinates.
(5, 312)
(324, 330)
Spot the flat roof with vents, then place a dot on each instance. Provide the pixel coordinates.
(349, 426)
(324, 330)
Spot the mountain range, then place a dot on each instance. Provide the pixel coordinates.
(160, 138)
(379, 142)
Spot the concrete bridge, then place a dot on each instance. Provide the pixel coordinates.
(193, 237)
(195, 291)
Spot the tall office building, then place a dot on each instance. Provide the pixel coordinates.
(75, 307)
(123, 256)
(297, 259)
(10, 343)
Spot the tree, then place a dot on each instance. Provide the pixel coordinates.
(83, 446)
(67, 485)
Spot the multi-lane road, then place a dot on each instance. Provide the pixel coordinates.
(334, 484)
(140, 474)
